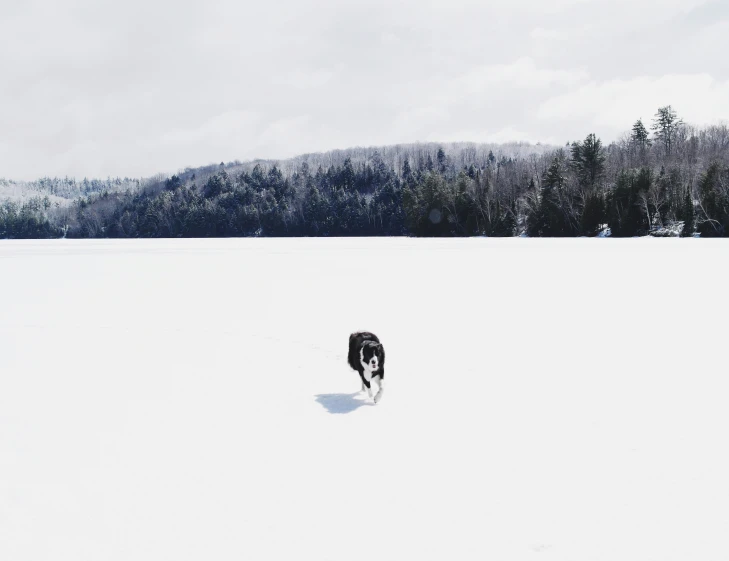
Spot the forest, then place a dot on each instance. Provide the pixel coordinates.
(663, 178)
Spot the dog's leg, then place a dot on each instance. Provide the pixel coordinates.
(381, 383)
(366, 382)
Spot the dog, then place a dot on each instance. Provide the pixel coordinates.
(367, 357)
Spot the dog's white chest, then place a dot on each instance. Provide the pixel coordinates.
(368, 373)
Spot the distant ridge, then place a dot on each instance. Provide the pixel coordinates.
(63, 190)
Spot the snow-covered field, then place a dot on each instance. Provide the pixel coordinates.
(190, 400)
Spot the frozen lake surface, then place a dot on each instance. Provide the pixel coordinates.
(190, 400)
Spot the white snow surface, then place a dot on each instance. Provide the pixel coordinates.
(190, 400)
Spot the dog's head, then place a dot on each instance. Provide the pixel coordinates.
(372, 355)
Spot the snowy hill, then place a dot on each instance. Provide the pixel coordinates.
(190, 399)
(62, 191)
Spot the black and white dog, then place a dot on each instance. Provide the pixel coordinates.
(367, 357)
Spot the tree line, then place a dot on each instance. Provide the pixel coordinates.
(669, 178)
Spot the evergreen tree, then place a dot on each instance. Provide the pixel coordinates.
(380, 172)
(424, 206)
(548, 218)
(593, 214)
(316, 213)
(639, 136)
(257, 179)
(173, 183)
(441, 159)
(665, 126)
(407, 172)
(387, 209)
(588, 160)
(217, 184)
(553, 178)
(429, 164)
(347, 175)
(624, 215)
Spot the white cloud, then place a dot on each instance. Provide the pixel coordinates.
(99, 87)
(417, 123)
(302, 80)
(548, 34)
(277, 137)
(522, 73)
(226, 128)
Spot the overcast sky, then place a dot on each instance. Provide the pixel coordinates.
(138, 87)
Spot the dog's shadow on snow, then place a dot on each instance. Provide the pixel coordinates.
(342, 403)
